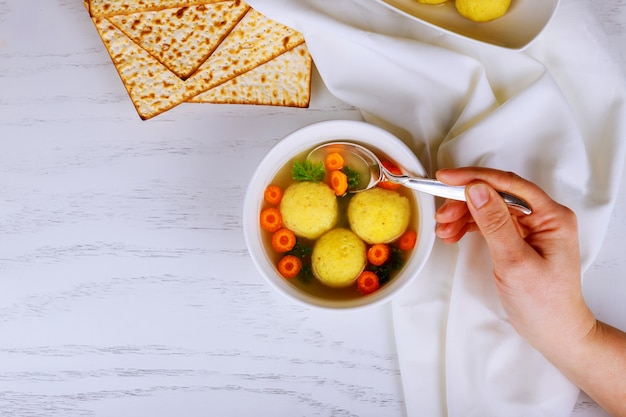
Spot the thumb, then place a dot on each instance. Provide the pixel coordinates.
(495, 223)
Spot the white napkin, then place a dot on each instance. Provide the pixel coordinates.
(553, 113)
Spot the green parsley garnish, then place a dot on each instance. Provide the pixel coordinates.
(303, 252)
(306, 274)
(353, 177)
(300, 250)
(394, 263)
(308, 171)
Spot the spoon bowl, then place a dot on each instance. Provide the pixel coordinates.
(357, 157)
(372, 171)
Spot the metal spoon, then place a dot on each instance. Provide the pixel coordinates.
(372, 172)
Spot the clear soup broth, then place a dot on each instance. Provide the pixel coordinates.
(306, 280)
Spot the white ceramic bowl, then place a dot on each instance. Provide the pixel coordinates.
(522, 23)
(305, 139)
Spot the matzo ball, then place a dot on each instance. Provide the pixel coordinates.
(338, 258)
(309, 209)
(482, 10)
(378, 215)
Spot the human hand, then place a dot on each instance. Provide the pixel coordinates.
(537, 274)
(535, 257)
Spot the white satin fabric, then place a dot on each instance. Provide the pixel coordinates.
(553, 113)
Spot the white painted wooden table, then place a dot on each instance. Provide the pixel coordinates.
(125, 284)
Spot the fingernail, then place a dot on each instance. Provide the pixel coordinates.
(478, 195)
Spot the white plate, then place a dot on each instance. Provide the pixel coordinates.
(522, 23)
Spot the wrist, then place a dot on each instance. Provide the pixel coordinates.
(568, 336)
(597, 365)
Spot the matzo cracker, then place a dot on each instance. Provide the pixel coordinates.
(283, 81)
(182, 38)
(154, 89)
(106, 8)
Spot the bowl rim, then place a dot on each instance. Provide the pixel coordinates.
(306, 138)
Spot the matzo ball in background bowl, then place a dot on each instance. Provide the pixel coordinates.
(318, 244)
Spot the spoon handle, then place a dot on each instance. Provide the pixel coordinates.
(454, 192)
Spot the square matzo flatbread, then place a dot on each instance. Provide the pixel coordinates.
(106, 8)
(182, 38)
(154, 89)
(283, 81)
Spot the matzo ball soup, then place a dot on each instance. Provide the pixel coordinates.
(310, 236)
